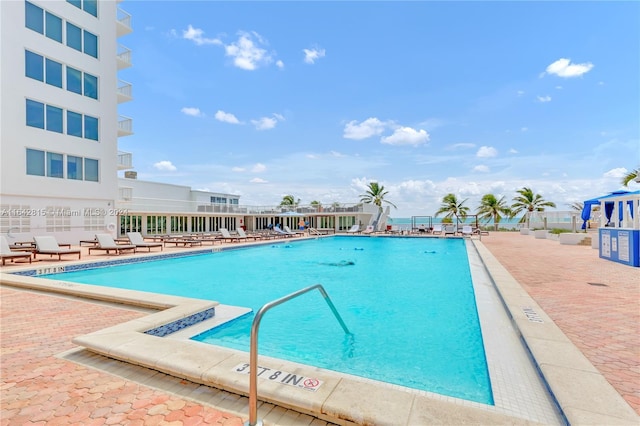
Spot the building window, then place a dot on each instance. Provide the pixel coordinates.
(35, 162)
(74, 124)
(34, 17)
(218, 200)
(233, 201)
(76, 3)
(74, 37)
(54, 119)
(34, 65)
(74, 80)
(53, 27)
(90, 86)
(91, 127)
(90, 44)
(53, 72)
(54, 165)
(35, 114)
(91, 170)
(74, 167)
(91, 7)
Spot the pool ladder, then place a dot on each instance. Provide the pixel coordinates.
(253, 356)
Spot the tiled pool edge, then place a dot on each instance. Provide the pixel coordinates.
(581, 391)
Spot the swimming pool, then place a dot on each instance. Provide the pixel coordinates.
(408, 302)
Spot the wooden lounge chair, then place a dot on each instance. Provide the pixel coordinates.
(226, 236)
(7, 253)
(137, 240)
(108, 244)
(48, 245)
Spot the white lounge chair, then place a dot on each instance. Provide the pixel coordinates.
(369, 230)
(48, 245)
(226, 236)
(137, 240)
(244, 235)
(287, 229)
(467, 230)
(449, 229)
(354, 229)
(7, 253)
(437, 229)
(108, 244)
(280, 232)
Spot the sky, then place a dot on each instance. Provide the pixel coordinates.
(318, 99)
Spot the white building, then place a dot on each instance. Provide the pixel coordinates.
(59, 130)
(59, 123)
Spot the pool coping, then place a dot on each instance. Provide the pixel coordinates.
(580, 390)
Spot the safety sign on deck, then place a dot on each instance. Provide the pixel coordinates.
(283, 377)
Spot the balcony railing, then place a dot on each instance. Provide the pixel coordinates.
(125, 160)
(125, 91)
(125, 126)
(123, 22)
(123, 56)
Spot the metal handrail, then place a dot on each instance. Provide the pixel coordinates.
(253, 357)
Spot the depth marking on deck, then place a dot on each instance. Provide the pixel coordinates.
(532, 315)
(282, 377)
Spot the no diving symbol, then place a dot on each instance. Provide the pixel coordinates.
(311, 383)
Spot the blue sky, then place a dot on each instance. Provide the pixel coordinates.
(317, 99)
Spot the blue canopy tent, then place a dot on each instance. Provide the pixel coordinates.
(608, 206)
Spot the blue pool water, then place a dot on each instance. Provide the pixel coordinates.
(408, 302)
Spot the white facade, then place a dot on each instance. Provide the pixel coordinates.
(58, 137)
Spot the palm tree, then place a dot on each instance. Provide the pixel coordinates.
(492, 208)
(578, 206)
(289, 200)
(452, 207)
(530, 202)
(633, 175)
(375, 195)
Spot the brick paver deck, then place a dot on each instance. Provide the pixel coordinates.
(594, 301)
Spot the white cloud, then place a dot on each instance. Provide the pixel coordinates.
(524, 129)
(520, 92)
(258, 168)
(406, 136)
(311, 55)
(617, 173)
(513, 151)
(481, 168)
(258, 180)
(264, 123)
(226, 117)
(461, 145)
(369, 127)
(238, 169)
(194, 112)
(564, 68)
(196, 35)
(544, 98)
(486, 151)
(165, 166)
(280, 64)
(247, 52)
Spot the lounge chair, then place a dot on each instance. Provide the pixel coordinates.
(282, 233)
(226, 236)
(137, 240)
(244, 235)
(48, 245)
(6, 253)
(354, 229)
(287, 229)
(449, 229)
(437, 229)
(369, 230)
(108, 244)
(467, 231)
